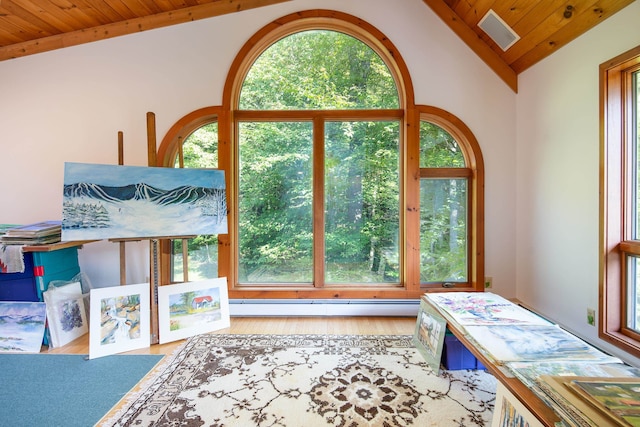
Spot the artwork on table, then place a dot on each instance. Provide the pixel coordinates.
(484, 308)
(66, 314)
(573, 409)
(111, 201)
(528, 372)
(510, 343)
(618, 398)
(191, 308)
(119, 319)
(22, 326)
(429, 335)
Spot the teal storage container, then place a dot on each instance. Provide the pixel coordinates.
(60, 264)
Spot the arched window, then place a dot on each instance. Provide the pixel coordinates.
(317, 186)
(451, 201)
(338, 185)
(191, 143)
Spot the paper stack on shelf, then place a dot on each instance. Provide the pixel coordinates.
(39, 233)
(5, 227)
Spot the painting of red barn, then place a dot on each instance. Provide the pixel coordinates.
(202, 302)
(192, 308)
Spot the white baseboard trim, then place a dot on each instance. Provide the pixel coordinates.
(300, 308)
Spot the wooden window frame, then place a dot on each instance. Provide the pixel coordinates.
(616, 243)
(409, 114)
(473, 172)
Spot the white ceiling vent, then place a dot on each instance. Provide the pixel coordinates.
(498, 30)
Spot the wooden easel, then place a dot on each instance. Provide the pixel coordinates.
(154, 243)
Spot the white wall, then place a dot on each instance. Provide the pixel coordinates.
(558, 174)
(69, 104)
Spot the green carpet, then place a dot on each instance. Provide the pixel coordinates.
(65, 390)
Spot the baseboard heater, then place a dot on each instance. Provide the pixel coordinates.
(322, 307)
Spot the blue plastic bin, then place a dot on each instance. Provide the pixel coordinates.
(455, 356)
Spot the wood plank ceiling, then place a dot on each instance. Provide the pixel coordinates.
(33, 26)
(542, 25)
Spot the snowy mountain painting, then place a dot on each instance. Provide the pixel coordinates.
(21, 326)
(111, 202)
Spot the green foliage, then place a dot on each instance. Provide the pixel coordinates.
(199, 150)
(443, 213)
(443, 234)
(275, 205)
(362, 194)
(325, 70)
(318, 70)
(438, 148)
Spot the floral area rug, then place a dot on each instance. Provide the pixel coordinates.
(305, 381)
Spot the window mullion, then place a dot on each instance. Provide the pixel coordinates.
(318, 203)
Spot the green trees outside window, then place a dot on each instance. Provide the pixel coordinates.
(311, 71)
(338, 184)
(318, 70)
(199, 150)
(275, 204)
(362, 188)
(443, 209)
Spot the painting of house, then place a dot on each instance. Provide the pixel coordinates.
(190, 308)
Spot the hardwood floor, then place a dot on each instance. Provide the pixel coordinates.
(277, 325)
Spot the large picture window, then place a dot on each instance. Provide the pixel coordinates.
(319, 178)
(338, 185)
(620, 203)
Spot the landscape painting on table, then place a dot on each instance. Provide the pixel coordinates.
(191, 308)
(22, 326)
(510, 343)
(119, 319)
(429, 335)
(616, 397)
(484, 308)
(529, 372)
(111, 202)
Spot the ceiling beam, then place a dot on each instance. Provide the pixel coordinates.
(492, 59)
(130, 26)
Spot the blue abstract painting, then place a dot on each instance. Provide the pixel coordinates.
(112, 202)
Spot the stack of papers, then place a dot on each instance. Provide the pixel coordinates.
(39, 233)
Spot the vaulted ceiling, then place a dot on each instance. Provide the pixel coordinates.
(541, 26)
